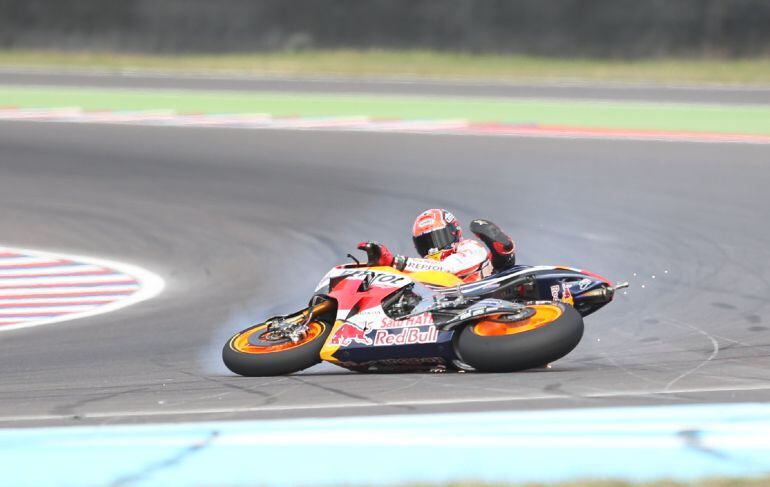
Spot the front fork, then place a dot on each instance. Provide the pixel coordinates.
(294, 327)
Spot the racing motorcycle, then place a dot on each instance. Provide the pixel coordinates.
(378, 319)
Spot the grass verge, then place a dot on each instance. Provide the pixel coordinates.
(412, 64)
(742, 119)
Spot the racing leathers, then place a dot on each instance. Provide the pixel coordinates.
(467, 259)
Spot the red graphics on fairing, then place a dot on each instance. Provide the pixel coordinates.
(349, 333)
(346, 287)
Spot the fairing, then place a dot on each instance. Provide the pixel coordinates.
(367, 332)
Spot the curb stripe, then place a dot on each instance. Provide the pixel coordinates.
(33, 264)
(76, 292)
(41, 308)
(6, 303)
(65, 283)
(28, 274)
(30, 315)
(24, 281)
(365, 124)
(38, 287)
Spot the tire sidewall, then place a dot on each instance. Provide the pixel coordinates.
(520, 351)
(275, 363)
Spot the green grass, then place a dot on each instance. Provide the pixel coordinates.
(634, 115)
(413, 64)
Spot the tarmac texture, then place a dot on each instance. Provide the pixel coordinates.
(242, 224)
(577, 90)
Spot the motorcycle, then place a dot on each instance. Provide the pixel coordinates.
(377, 319)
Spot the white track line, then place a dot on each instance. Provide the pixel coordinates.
(363, 405)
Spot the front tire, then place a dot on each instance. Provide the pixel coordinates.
(273, 357)
(496, 345)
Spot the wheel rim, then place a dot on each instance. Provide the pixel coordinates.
(544, 314)
(241, 343)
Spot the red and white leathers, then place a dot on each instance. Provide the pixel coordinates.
(467, 259)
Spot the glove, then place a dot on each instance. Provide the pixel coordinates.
(379, 254)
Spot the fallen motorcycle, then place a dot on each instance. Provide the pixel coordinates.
(378, 319)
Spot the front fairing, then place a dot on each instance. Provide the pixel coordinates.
(365, 332)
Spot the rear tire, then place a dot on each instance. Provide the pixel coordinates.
(255, 361)
(510, 349)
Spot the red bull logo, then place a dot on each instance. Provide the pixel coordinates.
(349, 333)
(409, 336)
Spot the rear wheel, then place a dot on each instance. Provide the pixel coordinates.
(500, 344)
(256, 352)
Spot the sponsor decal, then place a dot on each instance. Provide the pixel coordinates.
(408, 336)
(417, 265)
(349, 333)
(561, 292)
(584, 283)
(379, 279)
(555, 292)
(426, 222)
(417, 320)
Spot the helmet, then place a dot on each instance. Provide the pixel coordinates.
(435, 230)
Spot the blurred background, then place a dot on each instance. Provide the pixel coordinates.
(619, 29)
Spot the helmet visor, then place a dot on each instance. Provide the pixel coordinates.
(432, 242)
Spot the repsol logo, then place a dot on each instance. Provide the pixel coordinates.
(375, 277)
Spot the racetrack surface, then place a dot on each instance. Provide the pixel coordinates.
(241, 225)
(732, 94)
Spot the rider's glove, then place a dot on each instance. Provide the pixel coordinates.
(378, 254)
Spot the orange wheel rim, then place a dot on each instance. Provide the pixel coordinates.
(544, 314)
(241, 343)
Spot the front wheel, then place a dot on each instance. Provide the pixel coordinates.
(496, 344)
(254, 352)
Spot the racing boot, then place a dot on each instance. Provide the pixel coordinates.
(501, 246)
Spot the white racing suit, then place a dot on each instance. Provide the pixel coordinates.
(467, 259)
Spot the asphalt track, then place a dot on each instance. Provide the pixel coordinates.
(241, 224)
(522, 89)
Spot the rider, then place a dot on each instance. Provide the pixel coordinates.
(438, 239)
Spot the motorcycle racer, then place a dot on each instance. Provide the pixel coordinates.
(437, 237)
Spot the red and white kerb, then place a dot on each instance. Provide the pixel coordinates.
(38, 288)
